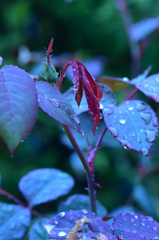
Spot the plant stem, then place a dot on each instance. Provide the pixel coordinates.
(100, 137)
(90, 177)
(9, 195)
(130, 95)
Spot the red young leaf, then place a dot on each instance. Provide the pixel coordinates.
(50, 47)
(84, 81)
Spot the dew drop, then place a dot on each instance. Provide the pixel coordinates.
(146, 117)
(125, 136)
(62, 234)
(77, 120)
(108, 111)
(125, 79)
(101, 106)
(143, 224)
(84, 211)
(55, 102)
(133, 134)
(136, 216)
(144, 151)
(130, 108)
(141, 106)
(126, 144)
(155, 122)
(122, 120)
(132, 220)
(150, 136)
(139, 140)
(62, 214)
(114, 131)
(56, 222)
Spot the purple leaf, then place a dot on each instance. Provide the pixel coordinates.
(14, 221)
(59, 226)
(143, 28)
(149, 86)
(56, 105)
(132, 224)
(134, 124)
(18, 105)
(108, 99)
(44, 185)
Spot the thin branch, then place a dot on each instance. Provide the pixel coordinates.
(19, 202)
(90, 177)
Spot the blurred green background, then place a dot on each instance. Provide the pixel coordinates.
(91, 31)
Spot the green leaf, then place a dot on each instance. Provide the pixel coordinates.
(44, 185)
(38, 232)
(14, 221)
(116, 84)
(56, 105)
(79, 202)
(18, 105)
(134, 124)
(149, 86)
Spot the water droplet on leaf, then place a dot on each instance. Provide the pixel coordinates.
(62, 234)
(108, 111)
(62, 214)
(84, 211)
(141, 106)
(150, 135)
(144, 151)
(122, 120)
(114, 131)
(146, 117)
(125, 79)
(55, 102)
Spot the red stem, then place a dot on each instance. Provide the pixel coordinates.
(60, 80)
(9, 195)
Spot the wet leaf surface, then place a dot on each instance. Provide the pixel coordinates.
(18, 105)
(14, 221)
(44, 185)
(79, 202)
(149, 86)
(134, 124)
(38, 232)
(56, 105)
(136, 225)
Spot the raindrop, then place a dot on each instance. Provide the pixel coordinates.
(108, 111)
(136, 216)
(101, 115)
(22, 141)
(38, 100)
(114, 131)
(125, 136)
(146, 117)
(133, 134)
(139, 140)
(48, 227)
(62, 214)
(101, 106)
(150, 136)
(77, 120)
(126, 144)
(55, 102)
(143, 224)
(56, 222)
(141, 106)
(130, 108)
(62, 234)
(122, 120)
(144, 151)
(125, 79)
(84, 211)
(155, 122)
